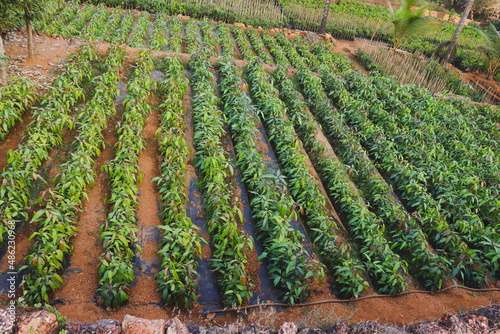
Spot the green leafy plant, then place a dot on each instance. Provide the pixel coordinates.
(175, 28)
(225, 41)
(58, 218)
(180, 242)
(43, 134)
(140, 35)
(15, 98)
(159, 38)
(209, 40)
(290, 267)
(410, 181)
(229, 244)
(407, 21)
(119, 233)
(243, 44)
(254, 37)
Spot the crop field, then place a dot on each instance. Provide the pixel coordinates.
(204, 165)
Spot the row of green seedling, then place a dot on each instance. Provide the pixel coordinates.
(427, 132)
(225, 42)
(140, 34)
(335, 251)
(483, 125)
(363, 225)
(289, 266)
(303, 49)
(159, 38)
(229, 244)
(58, 217)
(180, 245)
(490, 114)
(175, 30)
(254, 37)
(275, 49)
(403, 231)
(209, 40)
(95, 28)
(119, 233)
(58, 24)
(192, 36)
(243, 43)
(460, 192)
(15, 99)
(472, 148)
(407, 179)
(43, 134)
(290, 51)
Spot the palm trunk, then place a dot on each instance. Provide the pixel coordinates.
(3, 64)
(460, 26)
(322, 28)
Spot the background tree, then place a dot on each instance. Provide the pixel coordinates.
(460, 26)
(407, 22)
(324, 18)
(29, 11)
(492, 51)
(7, 22)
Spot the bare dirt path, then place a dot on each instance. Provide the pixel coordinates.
(144, 288)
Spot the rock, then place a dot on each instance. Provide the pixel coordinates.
(234, 328)
(41, 322)
(104, 326)
(367, 327)
(308, 330)
(390, 329)
(175, 326)
(453, 323)
(157, 76)
(241, 25)
(339, 328)
(7, 320)
(135, 325)
(492, 313)
(426, 328)
(194, 329)
(476, 323)
(255, 329)
(288, 328)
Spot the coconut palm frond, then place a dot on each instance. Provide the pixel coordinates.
(492, 50)
(407, 21)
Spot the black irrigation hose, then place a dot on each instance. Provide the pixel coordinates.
(336, 301)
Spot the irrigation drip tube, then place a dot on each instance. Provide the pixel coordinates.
(336, 301)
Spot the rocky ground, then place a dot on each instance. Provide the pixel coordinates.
(483, 320)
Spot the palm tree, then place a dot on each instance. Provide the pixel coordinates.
(460, 26)
(492, 51)
(407, 22)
